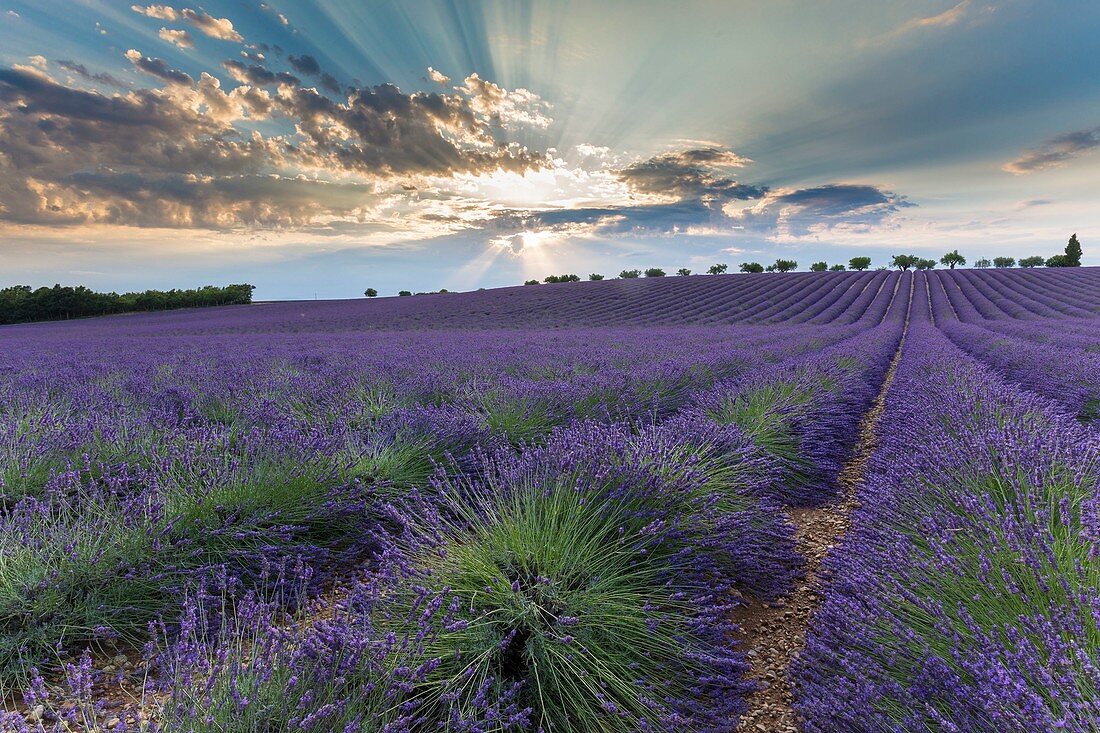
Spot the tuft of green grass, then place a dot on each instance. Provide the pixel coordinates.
(768, 414)
(566, 592)
(521, 421)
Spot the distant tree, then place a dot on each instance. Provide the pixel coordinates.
(983, 263)
(405, 292)
(561, 279)
(819, 267)
(630, 274)
(1003, 262)
(783, 266)
(953, 258)
(717, 269)
(655, 272)
(881, 268)
(531, 282)
(370, 292)
(1073, 252)
(859, 263)
(683, 271)
(904, 262)
(751, 267)
(595, 276)
(1036, 261)
(1071, 258)
(443, 290)
(924, 264)
(837, 268)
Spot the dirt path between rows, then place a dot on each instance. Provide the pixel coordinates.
(774, 633)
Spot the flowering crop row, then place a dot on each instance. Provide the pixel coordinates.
(1064, 367)
(967, 595)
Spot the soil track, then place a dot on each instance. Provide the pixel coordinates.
(774, 633)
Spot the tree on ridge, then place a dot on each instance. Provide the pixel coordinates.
(953, 258)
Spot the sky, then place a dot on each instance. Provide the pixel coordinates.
(315, 148)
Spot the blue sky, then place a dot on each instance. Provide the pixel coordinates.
(318, 148)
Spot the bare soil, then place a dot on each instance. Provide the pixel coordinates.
(773, 634)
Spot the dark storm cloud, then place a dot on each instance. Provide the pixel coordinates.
(691, 175)
(1056, 151)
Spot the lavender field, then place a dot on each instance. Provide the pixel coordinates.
(850, 501)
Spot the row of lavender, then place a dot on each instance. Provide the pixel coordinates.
(1060, 360)
(978, 296)
(1038, 334)
(967, 595)
(478, 477)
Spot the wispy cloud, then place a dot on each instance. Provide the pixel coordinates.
(1032, 203)
(82, 71)
(966, 11)
(1055, 152)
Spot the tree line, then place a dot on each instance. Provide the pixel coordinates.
(22, 304)
(1070, 258)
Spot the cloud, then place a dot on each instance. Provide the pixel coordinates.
(12, 14)
(309, 66)
(506, 109)
(174, 156)
(438, 77)
(82, 71)
(220, 28)
(967, 11)
(160, 12)
(1056, 152)
(180, 38)
(305, 64)
(258, 75)
(1032, 203)
(694, 174)
(794, 213)
(158, 68)
(282, 18)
